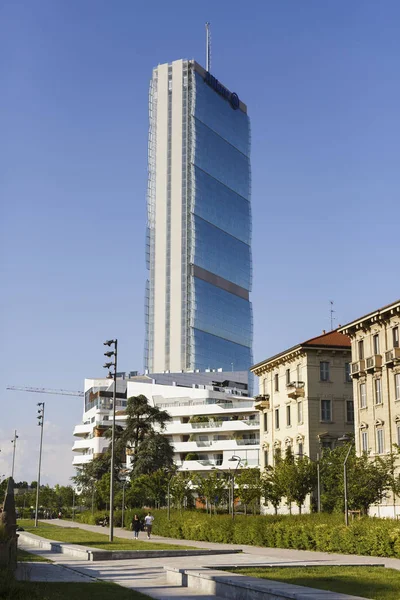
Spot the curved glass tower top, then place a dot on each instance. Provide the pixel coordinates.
(198, 312)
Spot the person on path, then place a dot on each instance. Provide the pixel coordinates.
(136, 525)
(148, 521)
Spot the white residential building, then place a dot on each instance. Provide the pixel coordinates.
(211, 420)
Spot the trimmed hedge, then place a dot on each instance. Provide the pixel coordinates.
(368, 536)
(324, 533)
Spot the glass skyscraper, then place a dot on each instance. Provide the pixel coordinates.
(198, 312)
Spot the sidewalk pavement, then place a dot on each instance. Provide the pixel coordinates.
(149, 577)
(255, 554)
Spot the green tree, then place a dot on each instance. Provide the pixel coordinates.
(368, 479)
(180, 489)
(212, 489)
(271, 488)
(249, 487)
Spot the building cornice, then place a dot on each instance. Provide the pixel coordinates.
(378, 316)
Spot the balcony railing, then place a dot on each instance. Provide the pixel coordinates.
(247, 442)
(295, 389)
(262, 402)
(206, 425)
(392, 356)
(358, 368)
(374, 362)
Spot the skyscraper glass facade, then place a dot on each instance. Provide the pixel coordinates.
(210, 225)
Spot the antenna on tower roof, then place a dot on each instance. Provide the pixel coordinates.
(332, 311)
(208, 47)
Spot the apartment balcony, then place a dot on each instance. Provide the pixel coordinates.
(81, 445)
(262, 402)
(373, 363)
(392, 357)
(295, 389)
(211, 426)
(214, 445)
(83, 429)
(358, 368)
(82, 459)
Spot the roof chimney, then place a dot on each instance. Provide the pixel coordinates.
(323, 331)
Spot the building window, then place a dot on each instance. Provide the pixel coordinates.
(265, 386)
(363, 395)
(265, 421)
(287, 376)
(277, 382)
(397, 386)
(364, 441)
(326, 445)
(326, 413)
(277, 418)
(300, 411)
(266, 458)
(395, 337)
(360, 350)
(375, 340)
(378, 391)
(300, 449)
(298, 372)
(324, 371)
(288, 416)
(379, 440)
(347, 372)
(350, 411)
(398, 435)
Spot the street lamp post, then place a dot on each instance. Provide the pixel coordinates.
(14, 442)
(238, 460)
(111, 375)
(123, 502)
(40, 419)
(345, 438)
(318, 486)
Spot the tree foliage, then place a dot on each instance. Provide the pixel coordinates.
(249, 487)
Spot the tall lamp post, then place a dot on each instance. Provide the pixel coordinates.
(14, 442)
(238, 460)
(346, 438)
(40, 419)
(109, 365)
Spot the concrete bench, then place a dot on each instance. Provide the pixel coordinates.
(240, 587)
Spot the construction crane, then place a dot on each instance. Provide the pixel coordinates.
(45, 391)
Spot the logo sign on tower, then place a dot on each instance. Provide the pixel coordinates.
(232, 97)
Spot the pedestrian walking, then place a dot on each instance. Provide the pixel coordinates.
(136, 526)
(148, 522)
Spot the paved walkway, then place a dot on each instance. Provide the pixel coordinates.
(148, 575)
(255, 554)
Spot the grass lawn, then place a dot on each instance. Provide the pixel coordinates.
(24, 556)
(27, 590)
(82, 537)
(377, 583)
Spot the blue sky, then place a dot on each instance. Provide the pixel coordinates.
(321, 83)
